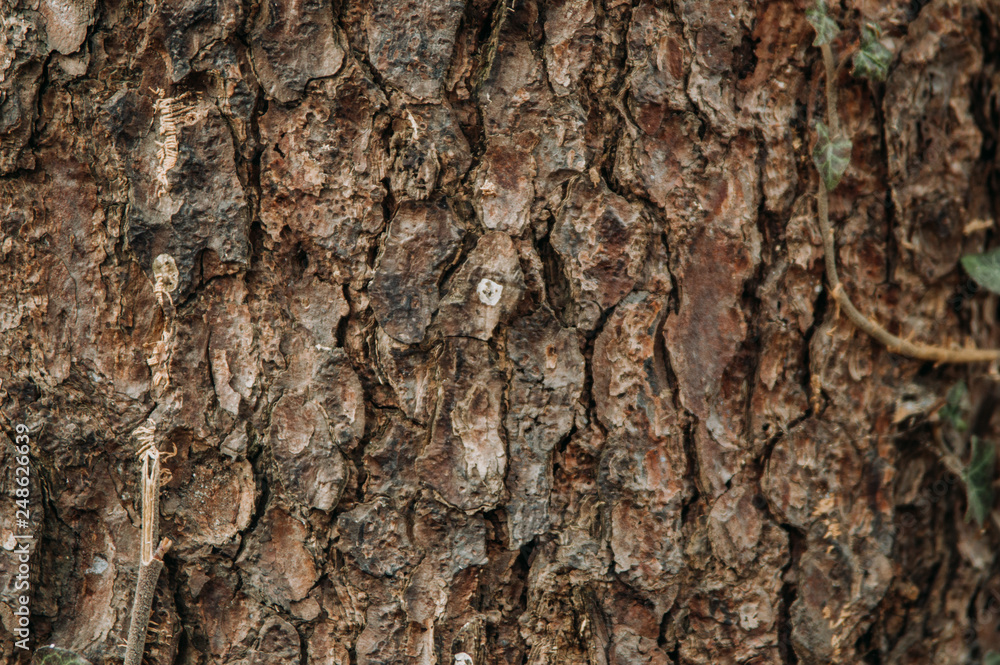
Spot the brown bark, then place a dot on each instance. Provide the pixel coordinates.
(501, 329)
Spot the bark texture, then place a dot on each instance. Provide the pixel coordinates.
(501, 329)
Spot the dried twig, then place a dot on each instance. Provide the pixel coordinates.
(145, 588)
(151, 561)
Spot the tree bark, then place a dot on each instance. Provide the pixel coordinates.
(501, 330)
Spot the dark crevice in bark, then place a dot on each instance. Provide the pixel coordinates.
(489, 39)
(746, 56)
(526, 555)
(811, 384)
(344, 323)
(913, 8)
(486, 38)
(751, 302)
(260, 108)
(469, 241)
(186, 617)
(789, 589)
(984, 104)
(661, 639)
(187, 304)
(876, 94)
(691, 451)
(661, 356)
(352, 653)
(609, 157)
(371, 258)
(39, 123)
(539, 44)
(606, 166)
(557, 285)
(866, 648)
(675, 297)
(356, 456)
(258, 458)
(303, 647)
(364, 63)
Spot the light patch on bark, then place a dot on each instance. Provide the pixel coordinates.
(66, 23)
(481, 441)
(172, 112)
(489, 292)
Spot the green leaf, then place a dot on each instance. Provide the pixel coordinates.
(53, 655)
(956, 406)
(978, 477)
(831, 156)
(826, 28)
(872, 59)
(984, 268)
(991, 658)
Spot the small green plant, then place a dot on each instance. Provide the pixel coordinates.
(991, 658)
(872, 59)
(956, 406)
(821, 21)
(984, 268)
(954, 440)
(978, 478)
(831, 156)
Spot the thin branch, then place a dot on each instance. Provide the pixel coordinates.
(145, 588)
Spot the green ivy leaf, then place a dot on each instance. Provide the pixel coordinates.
(53, 655)
(826, 28)
(984, 268)
(956, 406)
(831, 156)
(991, 658)
(872, 59)
(978, 477)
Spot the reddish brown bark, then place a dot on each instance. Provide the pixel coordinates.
(501, 329)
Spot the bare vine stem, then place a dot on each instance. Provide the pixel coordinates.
(150, 560)
(830, 64)
(894, 343)
(142, 606)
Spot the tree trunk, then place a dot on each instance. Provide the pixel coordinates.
(500, 332)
